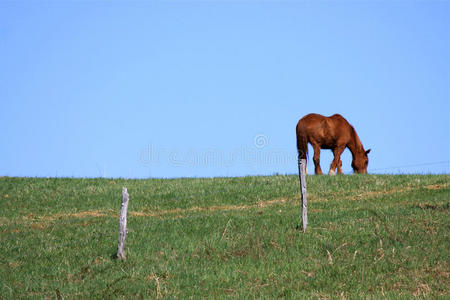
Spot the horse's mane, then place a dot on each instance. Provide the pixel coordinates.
(356, 140)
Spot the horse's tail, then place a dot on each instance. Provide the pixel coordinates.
(302, 141)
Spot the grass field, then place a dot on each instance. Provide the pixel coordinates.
(369, 236)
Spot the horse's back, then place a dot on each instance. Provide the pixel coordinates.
(311, 120)
(339, 119)
(315, 127)
(313, 117)
(326, 131)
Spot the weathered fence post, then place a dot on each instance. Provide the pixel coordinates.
(302, 176)
(123, 231)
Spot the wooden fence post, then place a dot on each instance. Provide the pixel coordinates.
(123, 231)
(302, 177)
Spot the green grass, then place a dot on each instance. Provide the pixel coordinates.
(369, 236)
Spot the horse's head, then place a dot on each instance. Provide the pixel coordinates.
(360, 162)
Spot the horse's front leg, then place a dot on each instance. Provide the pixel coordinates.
(336, 163)
(339, 167)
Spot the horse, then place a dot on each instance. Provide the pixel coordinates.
(333, 133)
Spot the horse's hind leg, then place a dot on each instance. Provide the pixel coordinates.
(316, 160)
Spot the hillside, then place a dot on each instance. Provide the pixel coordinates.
(368, 235)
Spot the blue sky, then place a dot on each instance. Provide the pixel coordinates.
(215, 88)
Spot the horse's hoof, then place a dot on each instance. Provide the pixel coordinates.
(332, 172)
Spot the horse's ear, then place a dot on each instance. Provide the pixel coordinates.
(368, 151)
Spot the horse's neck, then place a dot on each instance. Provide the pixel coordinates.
(355, 144)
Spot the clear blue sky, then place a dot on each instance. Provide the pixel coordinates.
(215, 88)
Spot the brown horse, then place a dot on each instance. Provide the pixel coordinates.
(333, 133)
